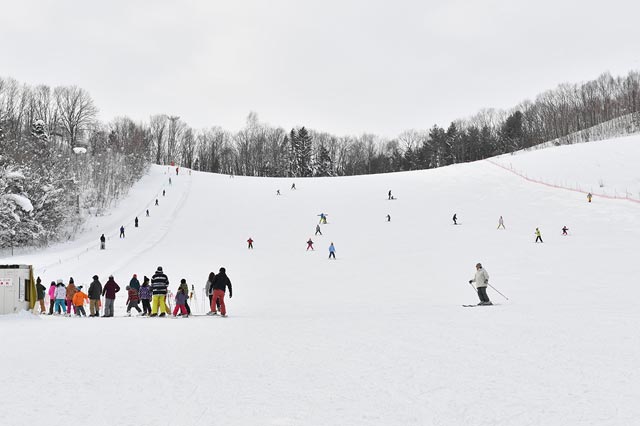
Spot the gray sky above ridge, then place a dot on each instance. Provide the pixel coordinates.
(345, 67)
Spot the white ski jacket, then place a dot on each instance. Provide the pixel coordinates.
(481, 279)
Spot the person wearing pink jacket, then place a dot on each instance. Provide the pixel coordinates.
(52, 296)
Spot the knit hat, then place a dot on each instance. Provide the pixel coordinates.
(110, 277)
(79, 287)
(159, 268)
(183, 281)
(135, 276)
(223, 270)
(71, 280)
(95, 277)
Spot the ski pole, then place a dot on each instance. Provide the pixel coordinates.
(497, 291)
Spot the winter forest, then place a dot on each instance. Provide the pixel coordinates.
(58, 162)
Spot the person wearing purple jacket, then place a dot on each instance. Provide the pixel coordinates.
(181, 300)
(109, 292)
(145, 296)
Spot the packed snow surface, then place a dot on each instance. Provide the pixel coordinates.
(377, 336)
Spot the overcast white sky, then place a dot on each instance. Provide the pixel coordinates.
(342, 66)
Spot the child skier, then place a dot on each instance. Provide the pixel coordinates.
(132, 300)
(564, 230)
(60, 307)
(78, 301)
(310, 244)
(455, 219)
(71, 291)
(500, 223)
(589, 196)
(250, 243)
(185, 289)
(318, 231)
(181, 299)
(145, 296)
(52, 296)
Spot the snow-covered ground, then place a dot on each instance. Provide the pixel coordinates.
(376, 337)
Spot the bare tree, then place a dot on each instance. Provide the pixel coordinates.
(77, 112)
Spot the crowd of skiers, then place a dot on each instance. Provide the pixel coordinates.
(70, 299)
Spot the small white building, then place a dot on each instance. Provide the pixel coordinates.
(17, 288)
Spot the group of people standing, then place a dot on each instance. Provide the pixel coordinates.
(152, 293)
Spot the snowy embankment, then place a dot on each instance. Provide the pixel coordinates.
(376, 337)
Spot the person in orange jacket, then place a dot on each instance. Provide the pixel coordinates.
(78, 301)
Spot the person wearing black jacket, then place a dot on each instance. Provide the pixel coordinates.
(159, 285)
(219, 285)
(94, 293)
(41, 290)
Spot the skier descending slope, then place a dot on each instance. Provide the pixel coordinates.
(481, 279)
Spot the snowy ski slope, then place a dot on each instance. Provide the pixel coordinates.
(376, 337)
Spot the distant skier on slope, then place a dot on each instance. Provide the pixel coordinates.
(310, 244)
(102, 242)
(589, 196)
(388, 218)
(250, 243)
(500, 223)
(390, 196)
(564, 230)
(538, 236)
(122, 231)
(136, 222)
(323, 218)
(332, 251)
(455, 219)
(481, 279)
(318, 231)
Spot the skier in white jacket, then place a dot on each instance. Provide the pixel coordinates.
(481, 279)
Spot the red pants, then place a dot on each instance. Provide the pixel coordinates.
(182, 308)
(218, 295)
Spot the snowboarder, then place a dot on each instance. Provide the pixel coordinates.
(95, 290)
(318, 230)
(159, 285)
(250, 243)
(564, 230)
(78, 302)
(388, 218)
(538, 236)
(163, 192)
(145, 296)
(589, 196)
(390, 196)
(102, 242)
(500, 223)
(122, 231)
(455, 219)
(310, 244)
(481, 279)
(109, 292)
(332, 251)
(293, 185)
(219, 285)
(40, 290)
(132, 300)
(147, 212)
(136, 222)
